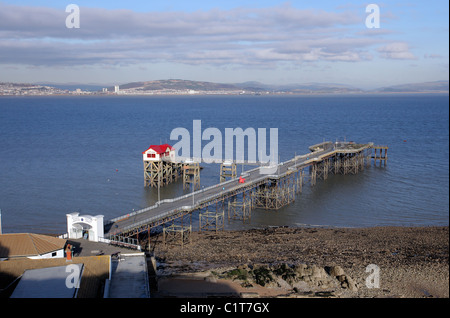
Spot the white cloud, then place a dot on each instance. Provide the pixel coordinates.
(433, 56)
(397, 51)
(259, 38)
(37, 36)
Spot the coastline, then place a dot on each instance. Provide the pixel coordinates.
(96, 94)
(412, 262)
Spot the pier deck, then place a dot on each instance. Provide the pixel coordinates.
(342, 157)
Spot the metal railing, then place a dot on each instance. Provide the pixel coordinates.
(121, 241)
(310, 157)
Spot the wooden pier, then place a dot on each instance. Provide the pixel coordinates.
(260, 190)
(380, 155)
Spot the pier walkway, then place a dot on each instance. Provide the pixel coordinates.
(266, 190)
(129, 277)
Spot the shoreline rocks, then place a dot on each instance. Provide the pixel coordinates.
(413, 261)
(298, 278)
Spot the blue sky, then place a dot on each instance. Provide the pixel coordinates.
(224, 41)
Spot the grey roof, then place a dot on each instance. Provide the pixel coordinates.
(49, 282)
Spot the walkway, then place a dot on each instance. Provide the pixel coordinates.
(171, 208)
(129, 277)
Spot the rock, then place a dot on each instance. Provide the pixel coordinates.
(301, 286)
(238, 273)
(307, 271)
(300, 269)
(325, 294)
(308, 293)
(210, 279)
(351, 284)
(347, 282)
(262, 275)
(299, 278)
(286, 273)
(282, 283)
(335, 271)
(246, 284)
(318, 272)
(341, 278)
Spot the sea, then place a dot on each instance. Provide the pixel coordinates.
(61, 154)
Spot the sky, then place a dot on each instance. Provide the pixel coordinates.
(230, 41)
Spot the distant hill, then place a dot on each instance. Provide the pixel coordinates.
(319, 88)
(434, 87)
(303, 88)
(255, 87)
(178, 84)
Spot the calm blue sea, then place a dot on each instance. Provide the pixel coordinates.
(65, 154)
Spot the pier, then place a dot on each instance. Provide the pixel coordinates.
(236, 197)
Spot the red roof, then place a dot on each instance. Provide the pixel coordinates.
(160, 149)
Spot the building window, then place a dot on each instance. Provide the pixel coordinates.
(54, 254)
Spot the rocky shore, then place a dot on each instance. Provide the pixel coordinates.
(387, 262)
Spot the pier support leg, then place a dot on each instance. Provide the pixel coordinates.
(160, 173)
(191, 176)
(240, 209)
(380, 157)
(177, 234)
(211, 221)
(313, 173)
(299, 181)
(227, 170)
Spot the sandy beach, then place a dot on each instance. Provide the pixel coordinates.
(385, 262)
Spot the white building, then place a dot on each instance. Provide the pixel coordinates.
(29, 245)
(116, 89)
(159, 152)
(85, 226)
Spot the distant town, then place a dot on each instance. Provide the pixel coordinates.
(13, 89)
(185, 87)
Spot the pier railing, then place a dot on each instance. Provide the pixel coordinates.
(121, 241)
(159, 203)
(319, 152)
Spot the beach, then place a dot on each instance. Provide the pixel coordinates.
(386, 262)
